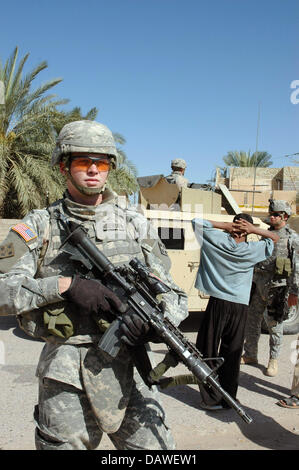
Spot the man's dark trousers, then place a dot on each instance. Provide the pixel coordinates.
(221, 334)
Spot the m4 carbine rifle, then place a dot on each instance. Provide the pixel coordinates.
(138, 288)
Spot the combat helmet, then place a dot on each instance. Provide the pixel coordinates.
(85, 136)
(276, 205)
(178, 163)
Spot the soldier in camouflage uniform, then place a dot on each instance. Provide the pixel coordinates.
(275, 288)
(178, 167)
(82, 392)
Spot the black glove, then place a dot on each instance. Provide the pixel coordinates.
(136, 331)
(91, 296)
(133, 329)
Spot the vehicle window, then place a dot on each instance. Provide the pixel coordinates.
(173, 238)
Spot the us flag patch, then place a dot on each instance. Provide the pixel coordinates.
(26, 232)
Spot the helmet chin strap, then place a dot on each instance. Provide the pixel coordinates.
(83, 189)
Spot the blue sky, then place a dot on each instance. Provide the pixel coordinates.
(175, 78)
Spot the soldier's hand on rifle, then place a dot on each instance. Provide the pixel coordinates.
(133, 329)
(91, 297)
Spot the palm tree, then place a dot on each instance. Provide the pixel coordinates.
(26, 140)
(123, 179)
(60, 118)
(245, 159)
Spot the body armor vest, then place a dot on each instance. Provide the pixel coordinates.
(278, 266)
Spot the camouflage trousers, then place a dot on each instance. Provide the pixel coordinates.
(272, 309)
(65, 420)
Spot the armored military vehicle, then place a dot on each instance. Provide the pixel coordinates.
(171, 212)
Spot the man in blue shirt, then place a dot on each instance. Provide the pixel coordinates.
(225, 273)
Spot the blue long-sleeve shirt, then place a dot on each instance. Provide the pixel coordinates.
(226, 267)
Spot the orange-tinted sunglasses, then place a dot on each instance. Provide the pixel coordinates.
(83, 163)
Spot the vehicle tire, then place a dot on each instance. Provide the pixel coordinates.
(290, 325)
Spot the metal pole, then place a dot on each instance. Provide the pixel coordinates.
(256, 147)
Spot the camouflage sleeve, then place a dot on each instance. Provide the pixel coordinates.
(20, 292)
(156, 258)
(181, 182)
(293, 280)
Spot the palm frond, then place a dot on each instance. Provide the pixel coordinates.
(9, 70)
(245, 159)
(29, 127)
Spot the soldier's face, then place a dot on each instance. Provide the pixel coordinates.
(277, 219)
(88, 170)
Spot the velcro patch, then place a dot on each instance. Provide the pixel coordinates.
(6, 251)
(26, 232)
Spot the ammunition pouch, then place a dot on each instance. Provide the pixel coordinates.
(51, 320)
(32, 323)
(57, 322)
(283, 268)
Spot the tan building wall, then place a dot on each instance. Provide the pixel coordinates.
(291, 178)
(276, 183)
(261, 200)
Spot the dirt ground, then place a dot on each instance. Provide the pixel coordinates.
(273, 427)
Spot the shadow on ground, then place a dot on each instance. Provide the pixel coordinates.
(264, 431)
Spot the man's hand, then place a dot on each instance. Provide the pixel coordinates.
(242, 227)
(91, 296)
(231, 227)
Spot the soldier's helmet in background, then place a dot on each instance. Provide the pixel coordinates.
(276, 205)
(178, 163)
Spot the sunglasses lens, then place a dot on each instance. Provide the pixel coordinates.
(82, 164)
(102, 165)
(275, 214)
